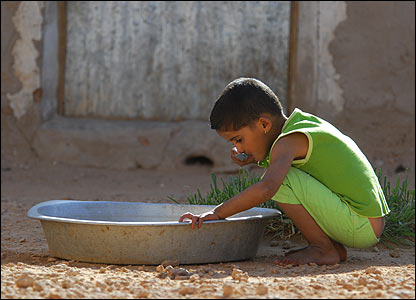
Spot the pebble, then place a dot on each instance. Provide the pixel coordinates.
(142, 294)
(372, 270)
(194, 278)
(173, 273)
(239, 275)
(262, 289)
(395, 253)
(53, 295)
(187, 290)
(274, 243)
(65, 284)
(362, 281)
(227, 290)
(24, 281)
(37, 287)
(286, 245)
(160, 269)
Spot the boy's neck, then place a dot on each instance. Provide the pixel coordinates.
(279, 126)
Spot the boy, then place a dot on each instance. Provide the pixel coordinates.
(318, 176)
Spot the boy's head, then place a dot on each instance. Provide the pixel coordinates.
(243, 101)
(249, 115)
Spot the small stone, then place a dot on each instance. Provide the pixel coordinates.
(227, 290)
(239, 275)
(274, 243)
(54, 296)
(372, 270)
(24, 281)
(395, 253)
(160, 269)
(187, 290)
(37, 287)
(375, 249)
(286, 245)
(194, 277)
(142, 294)
(66, 284)
(262, 289)
(22, 240)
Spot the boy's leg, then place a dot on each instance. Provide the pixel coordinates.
(321, 249)
(321, 217)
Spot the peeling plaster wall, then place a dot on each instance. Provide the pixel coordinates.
(21, 35)
(28, 24)
(355, 67)
(330, 94)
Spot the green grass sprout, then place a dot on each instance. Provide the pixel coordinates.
(400, 222)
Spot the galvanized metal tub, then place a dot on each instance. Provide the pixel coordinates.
(146, 233)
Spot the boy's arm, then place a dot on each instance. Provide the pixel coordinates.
(288, 148)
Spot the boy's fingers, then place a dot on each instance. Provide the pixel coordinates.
(194, 220)
(187, 215)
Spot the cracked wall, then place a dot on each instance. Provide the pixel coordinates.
(28, 24)
(355, 68)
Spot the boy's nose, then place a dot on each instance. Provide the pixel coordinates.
(239, 149)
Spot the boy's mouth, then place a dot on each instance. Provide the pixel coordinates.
(243, 156)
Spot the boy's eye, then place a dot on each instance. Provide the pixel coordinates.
(238, 140)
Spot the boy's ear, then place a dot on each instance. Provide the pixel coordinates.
(265, 124)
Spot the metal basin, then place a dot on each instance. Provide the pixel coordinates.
(146, 233)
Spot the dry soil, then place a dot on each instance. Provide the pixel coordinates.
(28, 271)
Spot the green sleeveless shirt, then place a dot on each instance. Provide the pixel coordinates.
(336, 161)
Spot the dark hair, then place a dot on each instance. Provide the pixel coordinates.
(242, 102)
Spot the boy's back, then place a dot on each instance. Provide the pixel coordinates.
(336, 161)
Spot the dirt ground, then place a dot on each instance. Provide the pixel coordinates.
(27, 271)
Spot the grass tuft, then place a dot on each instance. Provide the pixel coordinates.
(400, 222)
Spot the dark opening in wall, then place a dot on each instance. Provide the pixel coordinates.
(198, 160)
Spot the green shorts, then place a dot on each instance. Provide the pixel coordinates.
(332, 215)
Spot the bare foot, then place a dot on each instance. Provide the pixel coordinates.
(311, 254)
(342, 252)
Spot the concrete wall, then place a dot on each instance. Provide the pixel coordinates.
(355, 67)
(21, 93)
(351, 63)
(169, 61)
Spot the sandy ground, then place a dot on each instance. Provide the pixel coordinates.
(27, 270)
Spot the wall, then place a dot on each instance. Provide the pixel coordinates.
(355, 67)
(21, 93)
(169, 61)
(352, 64)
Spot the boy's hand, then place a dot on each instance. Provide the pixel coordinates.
(211, 215)
(238, 161)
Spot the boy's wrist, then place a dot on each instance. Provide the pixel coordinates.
(218, 215)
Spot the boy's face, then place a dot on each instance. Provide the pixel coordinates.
(249, 139)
